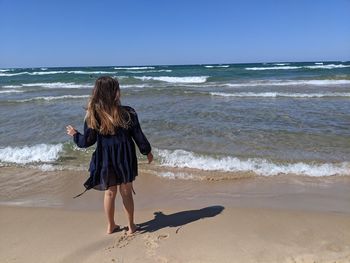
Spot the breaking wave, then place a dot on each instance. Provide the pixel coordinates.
(134, 68)
(186, 159)
(217, 66)
(199, 79)
(68, 85)
(11, 91)
(49, 98)
(317, 66)
(281, 94)
(314, 82)
(30, 154)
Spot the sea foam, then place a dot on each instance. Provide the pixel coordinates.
(68, 85)
(317, 66)
(186, 159)
(216, 66)
(194, 79)
(30, 154)
(281, 94)
(313, 82)
(148, 71)
(12, 86)
(134, 68)
(49, 98)
(35, 73)
(273, 68)
(11, 91)
(329, 66)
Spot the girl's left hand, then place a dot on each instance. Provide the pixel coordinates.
(150, 157)
(71, 130)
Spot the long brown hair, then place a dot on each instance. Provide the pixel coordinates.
(104, 112)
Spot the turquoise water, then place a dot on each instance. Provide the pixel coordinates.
(266, 118)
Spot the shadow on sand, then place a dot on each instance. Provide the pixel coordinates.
(178, 219)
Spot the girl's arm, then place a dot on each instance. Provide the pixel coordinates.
(138, 136)
(83, 140)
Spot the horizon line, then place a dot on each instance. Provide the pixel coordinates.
(189, 64)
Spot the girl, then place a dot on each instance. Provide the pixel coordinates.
(114, 127)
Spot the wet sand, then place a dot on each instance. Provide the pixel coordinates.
(279, 219)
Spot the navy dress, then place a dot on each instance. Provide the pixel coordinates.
(114, 161)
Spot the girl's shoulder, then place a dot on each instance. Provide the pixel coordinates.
(129, 109)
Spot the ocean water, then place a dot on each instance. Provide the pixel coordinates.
(260, 119)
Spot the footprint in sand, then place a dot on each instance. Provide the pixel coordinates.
(152, 242)
(123, 240)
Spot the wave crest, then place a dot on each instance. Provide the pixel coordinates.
(314, 82)
(316, 66)
(217, 66)
(11, 91)
(134, 68)
(30, 154)
(194, 79)
(49, 98)
(186, 159)
(68, 85)
(281, 94)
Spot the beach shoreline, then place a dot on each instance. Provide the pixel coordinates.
(284, 219)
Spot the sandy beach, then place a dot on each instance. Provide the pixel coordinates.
(284, 219)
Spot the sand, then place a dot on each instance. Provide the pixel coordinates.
(278, 219)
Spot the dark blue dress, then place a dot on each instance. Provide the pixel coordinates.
(114, 161)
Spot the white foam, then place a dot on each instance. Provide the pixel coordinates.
(131, 68)
(46, 72)
(329, 66)
(4, 70)
(317, 66)
(90, 72)
(171, 175)
(148, 71)
(49, 98)
(13, 74)
(11, 91)
(281, 64)
(46, 167)
(43, 68)
(68, 85)
(199, 79)
(12, 86)
(56, 72)
(134, 86)
(313, 82)
(280, 94)
(273, 68)
(30, 154)
(217, 66)
(186, 159)
(318, 63)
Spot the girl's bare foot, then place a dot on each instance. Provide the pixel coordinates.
(113, 228)
(132, 229)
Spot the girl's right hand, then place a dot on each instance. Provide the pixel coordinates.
(71, 130)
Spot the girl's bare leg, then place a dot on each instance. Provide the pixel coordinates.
(109, 204)
(128, 202)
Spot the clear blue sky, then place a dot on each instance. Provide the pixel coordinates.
(85, 33)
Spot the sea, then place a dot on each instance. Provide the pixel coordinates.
(206, 121)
